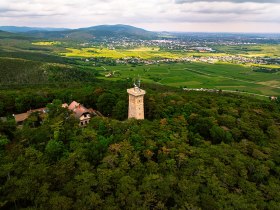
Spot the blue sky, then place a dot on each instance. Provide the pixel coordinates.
(158, 15)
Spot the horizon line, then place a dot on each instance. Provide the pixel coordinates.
(76, 28)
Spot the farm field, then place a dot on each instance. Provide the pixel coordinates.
(47, 43)
(154, 52)
(143, 53)
(200, 75)
(271, 50)
(223, 76)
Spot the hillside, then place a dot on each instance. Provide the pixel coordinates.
(195, 151)
(25, 72)
(98, 32)
(8, 35)
(119, 30)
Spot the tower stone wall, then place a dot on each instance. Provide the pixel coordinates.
(136, 103)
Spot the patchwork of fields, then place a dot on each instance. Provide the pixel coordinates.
(143, 53)
(201, 75)
(223, 76)
(251, 50)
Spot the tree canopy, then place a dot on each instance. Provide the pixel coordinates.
(193, 151)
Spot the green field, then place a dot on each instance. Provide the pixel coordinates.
(271, 50)
(142, 52)
(154, 52)
(200, 75)
(18, 68)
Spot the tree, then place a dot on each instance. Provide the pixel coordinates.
(219, 135)
(54, 150)
(3, 142)
(55, 109)
(120, 110)
(106, 103)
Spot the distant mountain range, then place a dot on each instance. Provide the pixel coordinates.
(107, 32)
(90, 33)
(23, 29)
(9, 35)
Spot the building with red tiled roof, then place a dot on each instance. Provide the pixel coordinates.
(79, 112)
(73, 105)
(20, 118)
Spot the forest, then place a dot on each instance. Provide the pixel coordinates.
(194, 150)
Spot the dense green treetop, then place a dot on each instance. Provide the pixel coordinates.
(193, 151)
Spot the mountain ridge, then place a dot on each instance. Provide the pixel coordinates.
(87, 33)
(24, 29)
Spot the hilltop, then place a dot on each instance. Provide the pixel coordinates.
(97, 32)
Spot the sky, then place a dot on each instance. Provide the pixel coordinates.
(156, 15)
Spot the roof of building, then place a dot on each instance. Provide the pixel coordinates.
(136, 91)
(73, 105)
(91, 110)
(80, 110)
(43, 110)
(21, 117)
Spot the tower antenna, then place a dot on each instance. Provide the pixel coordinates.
(139, 82)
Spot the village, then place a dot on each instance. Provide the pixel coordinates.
(205, 59)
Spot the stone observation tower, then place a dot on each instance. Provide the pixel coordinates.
(136, 102)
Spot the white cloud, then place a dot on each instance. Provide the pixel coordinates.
(151, 14)
(233, 1)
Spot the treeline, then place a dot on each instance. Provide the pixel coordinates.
(266, 69)
(194, 151)
(21, 100)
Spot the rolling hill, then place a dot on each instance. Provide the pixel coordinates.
(96, 33)
(8, 35)
(17, 71)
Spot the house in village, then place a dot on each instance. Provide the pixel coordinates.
(79, 112)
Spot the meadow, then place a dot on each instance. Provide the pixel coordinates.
(200, 75)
